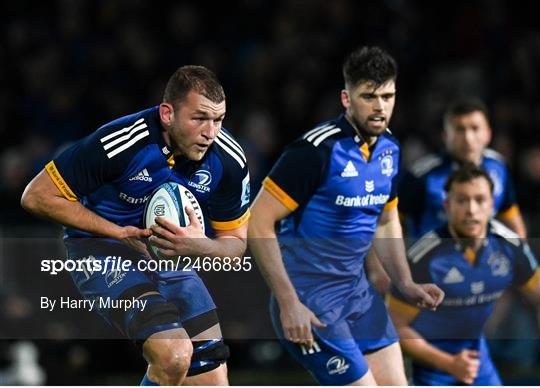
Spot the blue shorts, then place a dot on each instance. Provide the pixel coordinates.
(337, 358)
(188, 292)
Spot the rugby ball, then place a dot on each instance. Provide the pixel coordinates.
(169, 201)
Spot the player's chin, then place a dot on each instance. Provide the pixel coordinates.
(196, 155)
(375, 130)
(471, 231)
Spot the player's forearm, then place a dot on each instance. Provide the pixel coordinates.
(389, 247)
(265, 248)
(422, 351)
(228, 246)
(69, 213)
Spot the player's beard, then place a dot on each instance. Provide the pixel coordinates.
(365, 130)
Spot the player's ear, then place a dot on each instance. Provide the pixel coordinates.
(166, 113)
(345, 99)
(445, 205)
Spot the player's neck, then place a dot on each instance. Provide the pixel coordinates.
(168, 142)
(369, 140)
(474, 243)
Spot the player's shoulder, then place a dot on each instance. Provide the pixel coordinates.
(229, 151)
(498, 229)
(492, 155)
(389, 137)
(426, 164)
(323, 134)
(493, 161)
(318, 142)
(128, 134)
(425, 246)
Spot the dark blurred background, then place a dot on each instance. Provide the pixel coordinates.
(68, 66)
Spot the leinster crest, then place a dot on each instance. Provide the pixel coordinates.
(387, 165)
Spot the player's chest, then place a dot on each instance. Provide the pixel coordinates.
(471, 284)
(356, 183)
(137, 186)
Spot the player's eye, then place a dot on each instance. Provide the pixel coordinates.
(481, 200)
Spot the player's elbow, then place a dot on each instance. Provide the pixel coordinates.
(259, 226)
(30, 200)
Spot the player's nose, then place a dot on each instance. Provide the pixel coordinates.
(378, 105)
(210, 130)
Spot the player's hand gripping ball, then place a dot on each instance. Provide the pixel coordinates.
(169, 201)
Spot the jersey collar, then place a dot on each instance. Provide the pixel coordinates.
(348, 129)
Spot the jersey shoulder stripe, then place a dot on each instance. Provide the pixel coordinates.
(501, 230)
(117, 141)
(320, 135)
(423, 246)
(231, 148)
(424, 165)
(233, 144)
(492, 154)
(320, 131)
(317, 129)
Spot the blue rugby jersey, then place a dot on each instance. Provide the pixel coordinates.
(114, 170)
(472, 284)
(421, 190)
(336, 188)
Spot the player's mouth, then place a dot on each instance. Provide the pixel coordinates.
(471, 222)
(377, 120)
(203, 146)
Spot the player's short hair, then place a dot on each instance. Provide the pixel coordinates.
(464, 106)
(193, 78)
(369, 64)
(466, 173)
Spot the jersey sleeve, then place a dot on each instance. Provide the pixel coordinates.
(297, 174)
(84, 166)
(228, 207)
(526, 273)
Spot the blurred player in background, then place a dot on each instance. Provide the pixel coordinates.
(98, 187)
(466, 136)
(473, 260)
(334, 192)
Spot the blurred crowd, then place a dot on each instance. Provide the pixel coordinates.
(69, 66)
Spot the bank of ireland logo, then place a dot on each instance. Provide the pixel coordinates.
(201, 180)
(387, 165)
(337, 365)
